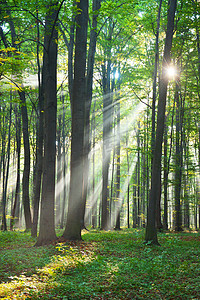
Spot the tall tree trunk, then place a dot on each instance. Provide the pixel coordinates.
(186, 187)
(143, 192)
(178, 162)
(165, 218)
(26, 172)
(135, 198)
(89, 81)
(112, 187)
(64, 167)
(195, 4)
(167, 165)
(118, 206)
(17, 189)
(47, 222)
(158, 209)
(153, 117)
(106, 155)
(4, 223)
(151, 232)
(199, 165)
(3, 166)
(94, 204)
(138, 177)
(59, 174)
(128, 189)
(39, 145)
(76, 204)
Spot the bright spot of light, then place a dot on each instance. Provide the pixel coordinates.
(171, 71)
(116, 75)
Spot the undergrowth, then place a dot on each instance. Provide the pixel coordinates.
(105, 265)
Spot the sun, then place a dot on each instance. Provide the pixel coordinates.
(171, 71)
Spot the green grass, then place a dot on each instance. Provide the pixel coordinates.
(106, 265)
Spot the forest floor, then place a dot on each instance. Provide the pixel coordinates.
(105, 265)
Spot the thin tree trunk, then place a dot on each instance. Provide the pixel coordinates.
(94, 205)
(39, 145)
(3, 163)
(138, 177)
(112, 185)
(26, 172)
(186, 189)
(59, 194)
(178, 160)
(165, 218)
(118, 154)
(143, 179)
(64, 164)
(106, 155)
(128, 189)
(153, 117)
(135, 198)
(4, 223)
(17, 189)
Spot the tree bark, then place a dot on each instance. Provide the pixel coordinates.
(186, 188)
(153, 117)
(39, 146)
(26, 172)
(178, 162)
(138, 177)
(107, 121)
(135, 198)
(165, 218)
(151, 232)
(118, 206)
(128, 189)
(47, 222)
(17, 189)
(94, 204)
(89, 81)
(76, 204)
(64, 167)
(59, 174)
(24, 114)
(5, 180)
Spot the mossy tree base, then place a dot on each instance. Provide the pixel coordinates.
(46, 242)
(72, 232)
(151, 243)
(151, 236)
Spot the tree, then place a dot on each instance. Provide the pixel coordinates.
(151, 233)
(47, 223)
(25, 130)
(178, 158)
(39, 141)
(96, 4)
(17, 189)
(6, 174)
(76, 204)
(118, 206)
(26, 173)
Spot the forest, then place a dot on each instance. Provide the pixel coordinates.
(99, 143)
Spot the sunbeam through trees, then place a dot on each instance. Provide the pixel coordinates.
(99, 117)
